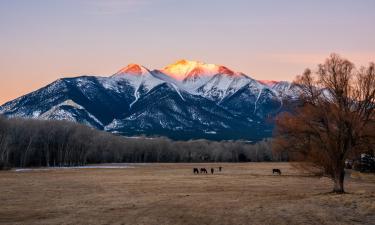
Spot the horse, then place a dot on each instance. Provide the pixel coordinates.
(212, 170)
(203, 170)
(276, 171)
(195, 171)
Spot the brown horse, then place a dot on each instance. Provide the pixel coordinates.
(278, 171)
(203, 170)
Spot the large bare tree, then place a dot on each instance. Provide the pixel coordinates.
(334, 120)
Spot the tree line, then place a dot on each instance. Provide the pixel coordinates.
(39, 143)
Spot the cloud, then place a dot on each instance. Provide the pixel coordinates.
(115, 7)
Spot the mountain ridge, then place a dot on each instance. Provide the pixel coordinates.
(206, 101)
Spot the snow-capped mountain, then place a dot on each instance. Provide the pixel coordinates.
(185, 100)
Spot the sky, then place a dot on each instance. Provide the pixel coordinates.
(41, 41)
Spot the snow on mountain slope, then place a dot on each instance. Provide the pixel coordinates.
(180, 115)
(253, 101)
(29, 106)
(287, 89)
(222, 85)
(138, 76)
(71, 111)
(284, 89)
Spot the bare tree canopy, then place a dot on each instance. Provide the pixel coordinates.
(334, 120)
(27, 142)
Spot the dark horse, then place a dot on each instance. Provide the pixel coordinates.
(195, 171)
(203, 170)
(212, 170)
(276, 171)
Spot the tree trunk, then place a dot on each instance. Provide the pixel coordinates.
(339, 182)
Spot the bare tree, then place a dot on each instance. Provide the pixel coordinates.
(334, 120)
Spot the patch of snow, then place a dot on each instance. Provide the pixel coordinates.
(178, 91)
(113, 125)
(256, 101)
(224, 125)
(36, 114)
(162, 124)
(136, 95)
(210, 132)
(94, 118)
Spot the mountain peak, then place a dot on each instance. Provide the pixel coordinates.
(184, 62)
(187, 68)
(225, 70)
(269, 83)
(132, 69)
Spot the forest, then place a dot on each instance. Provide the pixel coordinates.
(47, 143)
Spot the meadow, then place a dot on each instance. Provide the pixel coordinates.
(243, 193)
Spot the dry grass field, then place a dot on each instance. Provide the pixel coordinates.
(161, 194)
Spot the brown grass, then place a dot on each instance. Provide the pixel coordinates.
(172, 194)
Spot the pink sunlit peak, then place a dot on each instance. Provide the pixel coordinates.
(132, 69)
(185, 68)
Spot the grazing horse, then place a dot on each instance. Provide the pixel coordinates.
(276, 171)
(195, 171)
(212, 170)
(203, 170)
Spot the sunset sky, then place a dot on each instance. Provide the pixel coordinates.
(41, 41)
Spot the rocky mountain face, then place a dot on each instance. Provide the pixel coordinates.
(185, 100)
